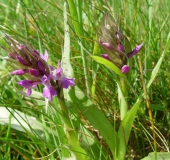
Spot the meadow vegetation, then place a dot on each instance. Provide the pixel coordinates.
(97, 111)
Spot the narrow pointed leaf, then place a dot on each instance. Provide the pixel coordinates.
(96, 118)
(159, 156)
(108, 64)
(125, 129)
(157, 67)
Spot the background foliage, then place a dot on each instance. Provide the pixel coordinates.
(41, 134)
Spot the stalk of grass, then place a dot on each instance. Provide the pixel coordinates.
(76, 15)
(148, 105)
(148, 54)
(73, 137)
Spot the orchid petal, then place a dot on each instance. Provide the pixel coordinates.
(34, 72)
(12, 55)
(59, 73)
(27, 83)
(22, 61)
(41, 66)
(19, 72)
(29, 91)
(44, 79)
(106, 56)
(120, 48)
(49, 92)
(107, 45)
(66, 82)
(135, 51)
(45, 56)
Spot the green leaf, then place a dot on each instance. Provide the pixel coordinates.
(21, 121)
(159, 156)
(125, 129)
(66, 65)
(96, 118)
(109, 64)
(122, 103)
(74, 16)
(157, 67)
(78, 151)
(158, 107)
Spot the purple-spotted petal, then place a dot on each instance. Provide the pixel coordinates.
(44, 79)
(20, 72)
(49, 92)
(66, 82)
(27, 83)
(135, 51)
(106, 56)
(125, 69)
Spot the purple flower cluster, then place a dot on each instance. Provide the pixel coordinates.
(116, 45)
(34, 66)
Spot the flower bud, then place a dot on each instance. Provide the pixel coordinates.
(125, 69)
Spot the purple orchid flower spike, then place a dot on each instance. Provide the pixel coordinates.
(116, 45)
(34, 66)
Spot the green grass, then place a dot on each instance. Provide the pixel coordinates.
(96, 105)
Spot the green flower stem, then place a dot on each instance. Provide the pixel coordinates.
(69, 128)
(73, 141)
(123, 94)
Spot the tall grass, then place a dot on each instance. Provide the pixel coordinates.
(106, 122)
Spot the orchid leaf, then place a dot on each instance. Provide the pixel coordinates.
(96, 118)
(122, 102)
(108, 64)
(158, 156)
(125, 129)
(20, 121)
(157, 67)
